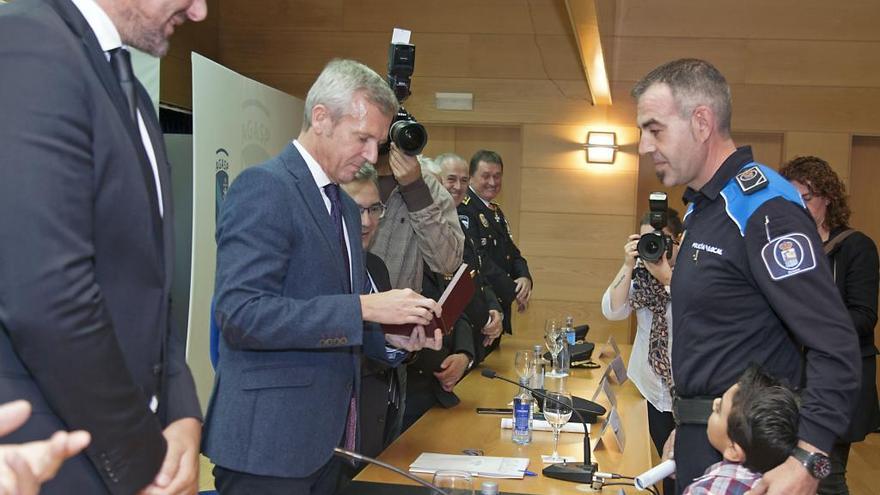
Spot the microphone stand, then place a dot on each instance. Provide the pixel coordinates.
(360, 457)
(579, 472)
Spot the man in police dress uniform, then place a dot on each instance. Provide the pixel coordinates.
(751, 283)
(485, 223)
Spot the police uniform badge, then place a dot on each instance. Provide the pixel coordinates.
(466, 200)
(788, 255)
(751, 180)
(484, 220)
(465, 220)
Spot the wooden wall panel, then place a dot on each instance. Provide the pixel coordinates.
(571, 279)
(548, 190)
(574, 236)
(751, 19)
(561, 147)
(175, 69)
(831, 147)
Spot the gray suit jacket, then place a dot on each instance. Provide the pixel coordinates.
(291, 348)
(85, 258)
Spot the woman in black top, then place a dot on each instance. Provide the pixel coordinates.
(853, 259)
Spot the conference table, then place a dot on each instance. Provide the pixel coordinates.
(451, 431)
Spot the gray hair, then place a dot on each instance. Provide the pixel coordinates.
(448, 157)
(337, 84)
(365, 174)
(693, 82)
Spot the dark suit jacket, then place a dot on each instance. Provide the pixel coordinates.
(290, 356)
(85, 258)
(502, 260)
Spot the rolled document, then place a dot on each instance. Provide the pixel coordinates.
(542, 425)
(655, 474)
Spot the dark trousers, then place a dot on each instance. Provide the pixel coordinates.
(660, 425)
(835, 483)
(322, 482)
(693, 454)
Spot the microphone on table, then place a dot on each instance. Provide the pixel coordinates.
(360, 457)
(579, 472)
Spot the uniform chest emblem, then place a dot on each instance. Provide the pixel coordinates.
(788, 255)
(751, 179)
(465, 220)
(484, 220)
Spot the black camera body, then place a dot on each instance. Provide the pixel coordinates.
(410, 136)
(651, 247)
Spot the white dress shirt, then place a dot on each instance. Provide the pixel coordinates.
(639, 371)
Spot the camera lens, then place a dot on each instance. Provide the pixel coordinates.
(651, 246)
(410, 136)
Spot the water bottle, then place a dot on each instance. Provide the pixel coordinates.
(567, 343)
(538, 376)
(522, 415)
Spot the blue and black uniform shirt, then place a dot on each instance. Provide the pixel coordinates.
(751, 284)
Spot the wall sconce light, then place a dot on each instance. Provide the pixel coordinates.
(601, 147)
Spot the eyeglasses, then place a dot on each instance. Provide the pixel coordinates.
(376, 211)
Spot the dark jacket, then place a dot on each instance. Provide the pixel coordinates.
(854, 264)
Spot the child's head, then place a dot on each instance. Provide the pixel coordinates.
(755, 422)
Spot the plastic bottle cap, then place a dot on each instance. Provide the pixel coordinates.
(489, 488)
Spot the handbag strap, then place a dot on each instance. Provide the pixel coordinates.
(833, 243)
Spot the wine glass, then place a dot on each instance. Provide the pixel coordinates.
(557, 414)
(524, 364)
(552, 339)
(454, 482)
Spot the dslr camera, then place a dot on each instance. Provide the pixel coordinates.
(410, 136)
(651, 247)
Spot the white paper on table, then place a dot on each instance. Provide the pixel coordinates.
(546, 459)
(477, 465)
(542, 425)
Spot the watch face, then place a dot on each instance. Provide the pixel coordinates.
(820, 466)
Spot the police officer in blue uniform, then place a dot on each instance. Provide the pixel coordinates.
(483, 220)
(750, 284)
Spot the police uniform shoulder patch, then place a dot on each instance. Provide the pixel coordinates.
(788, 255)
(751, 179)
(465, 220)
(484, 220)
(466, 200)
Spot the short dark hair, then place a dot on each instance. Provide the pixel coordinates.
(692, 82)
(484, 156)
(821, 180)
(763, 420)
(673, 221)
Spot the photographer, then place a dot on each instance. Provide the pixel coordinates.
(644, 286)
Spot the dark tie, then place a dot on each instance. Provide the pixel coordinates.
(332, 191)
(120, 60)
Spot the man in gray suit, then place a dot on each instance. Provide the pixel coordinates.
(291, 298)
(86, 245)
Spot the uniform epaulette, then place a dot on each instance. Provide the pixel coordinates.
(753, 186)
(466, 200)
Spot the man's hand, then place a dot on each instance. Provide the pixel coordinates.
(417, 340)
(179, 473)
(660, 269)
(399, 306)
(454, 367)
(23, 467)
(494, 328)
(406, 169)
(788, 478)
(523, 292)
(669, 449)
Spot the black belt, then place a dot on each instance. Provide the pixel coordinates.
(691, 411)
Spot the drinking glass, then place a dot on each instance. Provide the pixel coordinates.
(524, 363)
(553, 341)
(454, 482)
(557, 414)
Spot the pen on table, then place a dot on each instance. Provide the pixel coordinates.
(529, 473)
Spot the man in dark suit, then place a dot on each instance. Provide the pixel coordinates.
(487, 225)
(86, 248)
(291, 298)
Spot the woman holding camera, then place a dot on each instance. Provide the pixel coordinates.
(643, 286)
(854, 265)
